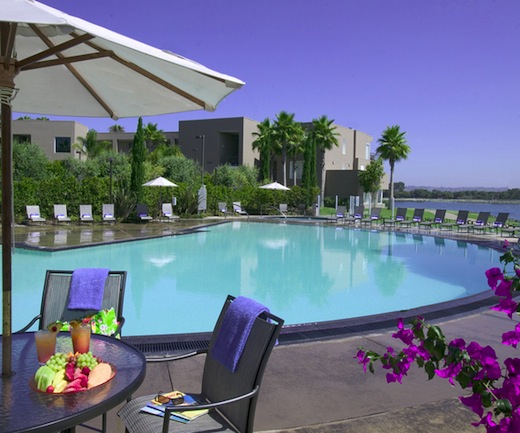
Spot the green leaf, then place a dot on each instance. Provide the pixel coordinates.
(429, 367)
(435, 332)
(504, 406)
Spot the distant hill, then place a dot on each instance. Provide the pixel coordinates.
(442, 188)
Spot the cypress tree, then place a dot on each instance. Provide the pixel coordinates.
(138, 157)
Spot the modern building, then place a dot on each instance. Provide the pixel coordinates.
(214, 142)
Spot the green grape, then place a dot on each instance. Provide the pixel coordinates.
(57, 361)
(86, 360)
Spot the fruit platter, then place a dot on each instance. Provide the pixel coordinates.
(66, 373)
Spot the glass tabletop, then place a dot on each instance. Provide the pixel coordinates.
(24, 409)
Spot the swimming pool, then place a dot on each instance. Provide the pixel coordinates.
(305, 274)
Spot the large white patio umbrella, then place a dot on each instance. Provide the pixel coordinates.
(56, 64)
(275, 186)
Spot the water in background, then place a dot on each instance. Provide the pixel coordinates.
(494, 208)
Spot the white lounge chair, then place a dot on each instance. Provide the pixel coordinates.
(167, 212)
(60, 213)
(33, 214)
(85, 213)
(108, 213)
(237, 207)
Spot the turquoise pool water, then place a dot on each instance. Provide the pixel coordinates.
(303, 273)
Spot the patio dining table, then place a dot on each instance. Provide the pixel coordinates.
(23, 409)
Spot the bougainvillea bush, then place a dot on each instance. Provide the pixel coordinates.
(493, 387)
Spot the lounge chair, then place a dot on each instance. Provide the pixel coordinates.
(418, 215)
(108, 213)
(33, 214)
(462, 218)
(232, 395)
(438, 219)
(480, 222)
(85, 213)
(60, 213)
(500, 221)
(356, 216)
(400, 216)
(340, 213)
(167, 212)
(375, 215)
(142, 212)
(283, 208)
(237, 207)
(222, 208)
(54, 306)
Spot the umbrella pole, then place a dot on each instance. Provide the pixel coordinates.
(7, 239)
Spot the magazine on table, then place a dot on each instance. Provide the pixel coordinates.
(158, 405)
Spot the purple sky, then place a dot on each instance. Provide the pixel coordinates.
(447, 72)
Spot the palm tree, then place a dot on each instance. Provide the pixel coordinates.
(263, 143)
(287, 134)
(153, 136)
(325, 138)
(116, 128)
(90, 146)
(393, 148)
(296, 147)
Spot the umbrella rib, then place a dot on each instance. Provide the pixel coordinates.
(67, 60)
(78, 76)
(52, 49)
(154, 77)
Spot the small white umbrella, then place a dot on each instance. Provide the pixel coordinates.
(160, 181)
(275, 186)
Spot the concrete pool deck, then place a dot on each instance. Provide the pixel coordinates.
(316, 385)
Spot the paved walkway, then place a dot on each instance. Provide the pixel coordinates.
(320, 387)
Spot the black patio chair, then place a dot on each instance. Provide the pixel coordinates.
(375, 215)
(231, 395)
(400, 216)
(480, 222)
(56, 295)
(462, 218)
(438, 219)
(54, 307)
(418, 215)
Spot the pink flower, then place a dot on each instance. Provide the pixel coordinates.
(507, 306)
(405, 335)
(494, 275)
(474, 402)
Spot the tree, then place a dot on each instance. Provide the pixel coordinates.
(153, 136)
(116, 128)
(138, 157)
(287, 134)
(370, 178)
(393, 148)
(29, 161)
(90, 146)
(325, 138)
(296, 148)
(263, 143)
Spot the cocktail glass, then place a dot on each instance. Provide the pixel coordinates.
(81, 338)
(45, 345)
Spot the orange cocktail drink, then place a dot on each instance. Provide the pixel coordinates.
(81, 338)
(45, 345)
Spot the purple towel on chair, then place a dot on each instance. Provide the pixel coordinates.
(236, 326)
(87, 288)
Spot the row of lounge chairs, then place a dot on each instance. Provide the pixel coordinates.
(461, 222)
(61, 216)
(107, 214)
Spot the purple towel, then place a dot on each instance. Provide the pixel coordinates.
(236, 326)
(87, 288)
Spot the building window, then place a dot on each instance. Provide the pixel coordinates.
(344, 146)
(299, 169)
(21, 138)
(62, 144)
(367, 151)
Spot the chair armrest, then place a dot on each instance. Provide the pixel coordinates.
(31, 323)
(167, 358)
(121, 321)
(168, 411)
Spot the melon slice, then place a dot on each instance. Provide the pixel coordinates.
(99, 374)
